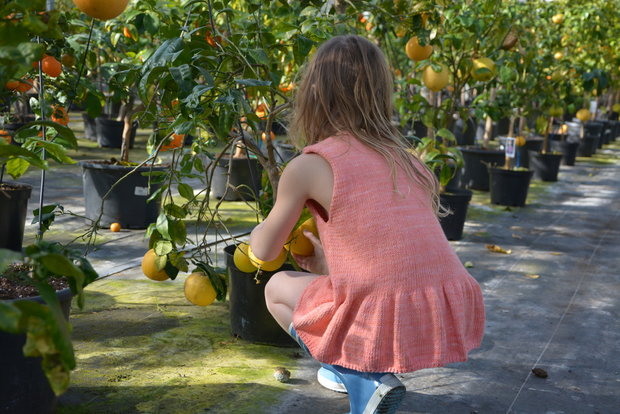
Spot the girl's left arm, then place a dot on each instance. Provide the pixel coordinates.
(268, 238)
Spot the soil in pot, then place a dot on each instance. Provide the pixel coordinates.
(245, 177)
(545, 166)
(13, 211)
(249, 317)
(127, 203)
(509, 187)
(25, 388)
(457, 201)
(474, 174)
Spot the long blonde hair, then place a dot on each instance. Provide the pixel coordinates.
(347, 87)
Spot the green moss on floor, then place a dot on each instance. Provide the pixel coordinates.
(142, 348)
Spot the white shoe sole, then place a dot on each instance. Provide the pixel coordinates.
(331, 385)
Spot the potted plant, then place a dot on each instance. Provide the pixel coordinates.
(36, 352)
(508, 185)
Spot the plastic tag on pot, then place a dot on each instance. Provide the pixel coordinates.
(141, 191)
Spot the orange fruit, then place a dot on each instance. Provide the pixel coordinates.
(60, 115)
(261, 111)
(149, 268)
(299, 243)
(6, 136)
(271, 135)
(51, 66)
(102, 9)
(126, 32)
(115, 227)
(199, 290)
(268, 266)
(242, 259)
(176, 142)
(19, 85)
(417, 52)
(519, 141)
(68, 60)
(435, 81)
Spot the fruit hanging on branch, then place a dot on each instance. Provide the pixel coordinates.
(102, 9)
(415, 51)
(583, 115)
(483, 69)
(434, 80)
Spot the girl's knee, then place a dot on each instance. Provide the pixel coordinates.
(274, 286)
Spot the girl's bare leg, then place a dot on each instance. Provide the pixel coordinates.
(282, 293)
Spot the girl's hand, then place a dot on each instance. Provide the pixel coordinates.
(315, 263)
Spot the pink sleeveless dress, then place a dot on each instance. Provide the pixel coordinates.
(397, 298)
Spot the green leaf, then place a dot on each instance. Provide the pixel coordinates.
(253, 82)
(175, 210)
(10, 316)
(178, 232)
(301, 47)
(217, 278)
(186, 191)
(60, 265)
(16, 167)
(163, 247)
(162, 226)
(193, 99)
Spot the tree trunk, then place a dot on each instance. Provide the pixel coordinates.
(511, 126)
(488, 125)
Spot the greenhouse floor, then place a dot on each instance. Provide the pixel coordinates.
(553, 303)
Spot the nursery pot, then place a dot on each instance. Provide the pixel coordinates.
(545, 166)
(522, 153)
(110, 132)
(25, 388)
(474, 174)
(249, 317)
(465, 131)
(285, 152)
(245, 178)
(13, 211)
(127, 203)
(509, 187)
(457, 201)
(568, 150)
(90, 127)
(587, 146)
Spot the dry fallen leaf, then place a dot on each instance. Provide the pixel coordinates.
(516, 236)
(556, 253)
(539, 372)
(468, 264)
(497, 249)
(532, 276)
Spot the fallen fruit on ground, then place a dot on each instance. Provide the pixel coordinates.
(199, 290)
(433, 80)
(299, 243)
(149, 268)
(102, 9)
(268, 266)
(242, 260)
(415, 51)
(115, 227)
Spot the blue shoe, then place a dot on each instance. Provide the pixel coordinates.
(370, 392)
(330, 380)
(293, 333)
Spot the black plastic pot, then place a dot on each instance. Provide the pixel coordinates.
(465, 131)
(249, 317)
(595, 129)
(522, 156)
(457, 201)
(245, 178)
(127, 203)
(509, 187)
(568, 150)
(25, 388)
(285, 152)
(474, 174)
(90, 127)
(110, 132)
(13, 211)
(545, 166)
(587, 146)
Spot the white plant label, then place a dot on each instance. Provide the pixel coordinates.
(141, 191)
(510, 147)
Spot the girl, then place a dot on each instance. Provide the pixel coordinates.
(386, 293)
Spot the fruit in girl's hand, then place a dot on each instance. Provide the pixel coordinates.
(149, 268)
(199, 290)
(241, 258)
(115, 227)
(268, 266)
(299, 243)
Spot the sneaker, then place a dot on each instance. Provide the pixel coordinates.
(330, 380)
(370, 392)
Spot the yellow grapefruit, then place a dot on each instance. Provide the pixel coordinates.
(242, 259)
(149, 268)
(268, 266)
(583, 115)
(616, 107)
(417, 52)
(483, 69)
(435, 81)
(558, 18)
(300, 244)
(199, 290)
